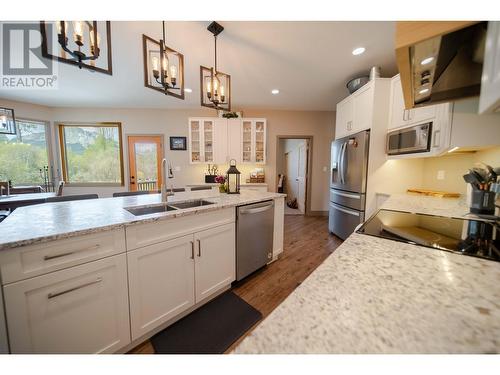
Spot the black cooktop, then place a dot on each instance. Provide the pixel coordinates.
(464, 236)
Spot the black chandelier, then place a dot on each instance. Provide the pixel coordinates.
(215, 86)
(163, 66)
(78, 37)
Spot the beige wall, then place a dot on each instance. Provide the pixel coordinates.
(455, 166)
(168, 123)
(319, 125)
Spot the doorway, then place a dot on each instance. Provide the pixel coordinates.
(293, 169)
(145, 153)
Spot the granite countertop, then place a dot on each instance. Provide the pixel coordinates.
(373, 295)
(52, 221)
(449, 207)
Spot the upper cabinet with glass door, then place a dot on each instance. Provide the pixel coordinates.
(253, 141)
(201, 140)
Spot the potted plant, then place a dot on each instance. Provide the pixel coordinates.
(221, 180)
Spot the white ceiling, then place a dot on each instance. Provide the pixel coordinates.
(309, 62)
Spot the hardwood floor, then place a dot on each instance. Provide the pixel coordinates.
(307, 244)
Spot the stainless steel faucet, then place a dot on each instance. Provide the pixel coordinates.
(167, 172)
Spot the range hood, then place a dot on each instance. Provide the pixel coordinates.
(440, 61)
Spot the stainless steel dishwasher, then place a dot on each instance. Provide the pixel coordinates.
(254, 237)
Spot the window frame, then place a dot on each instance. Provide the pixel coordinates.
(48, 143)
(64, 161)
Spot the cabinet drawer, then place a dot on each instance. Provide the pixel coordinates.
(141, 235)
(34, 260)
(83, 309)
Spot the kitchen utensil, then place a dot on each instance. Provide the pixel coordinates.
(374, 72)
(356, 83)
(472, 179)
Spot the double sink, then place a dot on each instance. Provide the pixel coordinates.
(165, 207)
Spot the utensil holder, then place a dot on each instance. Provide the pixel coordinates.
(482, 202)
(210, 178)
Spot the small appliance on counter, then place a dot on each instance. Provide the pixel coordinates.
(483, 180)
(470, 237)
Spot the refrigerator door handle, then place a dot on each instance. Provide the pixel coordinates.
(340, 163)
(344, 210)
(342, 160)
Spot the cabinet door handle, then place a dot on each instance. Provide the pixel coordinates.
(49, 257)
(53, 295)
(192, 249)
(199, 248)
(404, 114)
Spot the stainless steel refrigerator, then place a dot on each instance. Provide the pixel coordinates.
(349, 164)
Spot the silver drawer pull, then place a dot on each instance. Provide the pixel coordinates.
(49, 257)
(53, 295)
(199, 248)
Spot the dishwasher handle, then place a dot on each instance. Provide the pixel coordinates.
(255, 210)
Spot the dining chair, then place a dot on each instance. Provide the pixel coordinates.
(129, 193)
(196, 188)
(66, 198)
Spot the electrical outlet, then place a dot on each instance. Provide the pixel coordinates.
(440, 175)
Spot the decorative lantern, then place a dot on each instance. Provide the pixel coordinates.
(233, 178)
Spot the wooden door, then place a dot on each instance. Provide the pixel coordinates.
(145, 154)
(215, 260)
(82, 309)
(161, 283)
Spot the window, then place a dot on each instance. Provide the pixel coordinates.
(92, 153)
(24, 155)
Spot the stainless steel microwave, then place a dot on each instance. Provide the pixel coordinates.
(409, 140)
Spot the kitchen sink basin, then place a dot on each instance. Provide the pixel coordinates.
(191, 204)
(138, 211)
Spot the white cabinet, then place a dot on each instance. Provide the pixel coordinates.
(234, 145)
(355, 113)
(83, 309)
(489, 101)
(362, 104)
(161, 283)
(38, 259)
(344, 118)
(401, 117)
(4, 345)
(218, 140)
(279, 225)
(253, 141)
(201, 140)
(215, 260)
(168, 278)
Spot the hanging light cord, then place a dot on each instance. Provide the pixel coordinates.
(215, 37)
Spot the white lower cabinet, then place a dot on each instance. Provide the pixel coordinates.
(215, 265)
(168, 278)
(161, 283)
(82, 309)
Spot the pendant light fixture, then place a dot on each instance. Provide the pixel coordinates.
(7, 121)
(215, 86)
(163, 66)
(79, 29)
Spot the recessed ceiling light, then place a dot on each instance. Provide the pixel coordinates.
(358, 51)
(423, 91)
(188, 90)
(427, 60)
(275, 91)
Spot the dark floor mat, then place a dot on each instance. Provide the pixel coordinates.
(209, 330)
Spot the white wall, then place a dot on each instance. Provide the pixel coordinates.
(168, 123)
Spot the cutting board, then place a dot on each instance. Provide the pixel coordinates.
(434, 193)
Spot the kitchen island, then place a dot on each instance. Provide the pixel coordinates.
(93, 277)
(373, 295)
